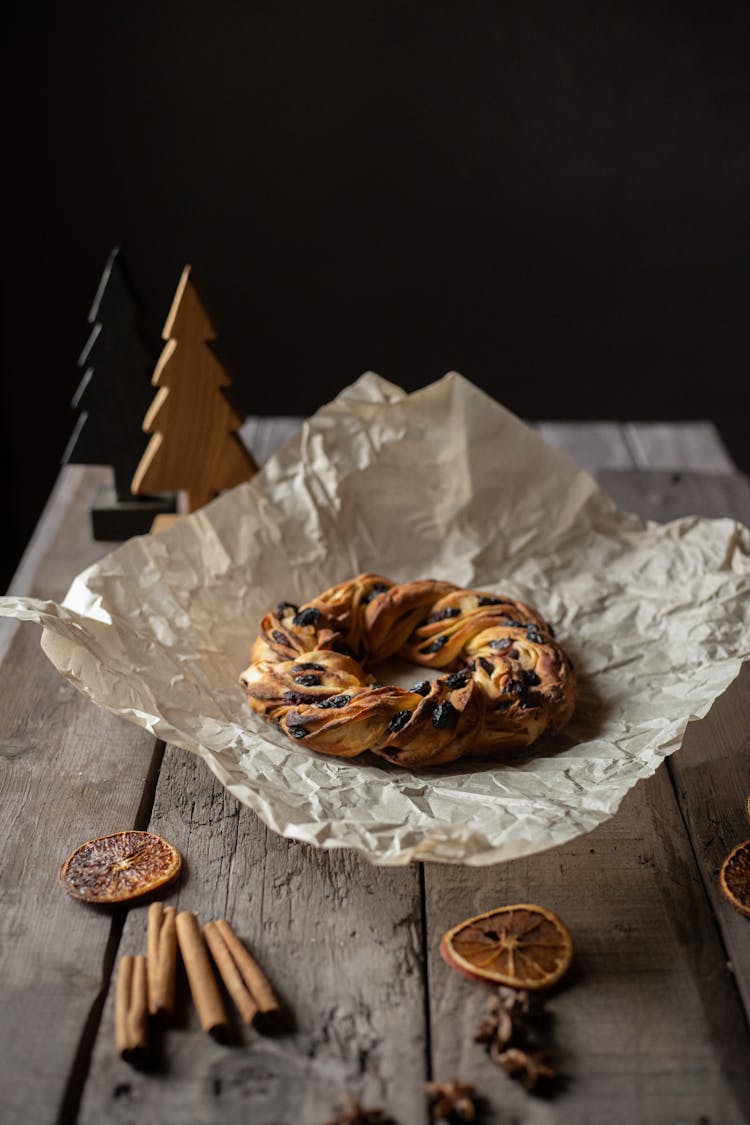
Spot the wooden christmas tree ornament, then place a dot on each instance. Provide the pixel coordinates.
(194, 447)
(111, 398)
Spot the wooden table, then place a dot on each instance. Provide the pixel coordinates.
(650, 1027)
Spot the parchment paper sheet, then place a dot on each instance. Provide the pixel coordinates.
(442, 483)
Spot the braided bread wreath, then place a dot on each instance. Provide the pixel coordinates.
(508, 681)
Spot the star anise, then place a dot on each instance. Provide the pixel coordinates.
(530, 1067)
(510, 1029)
(450, 1101)
(507, 1009)
(352, 1113)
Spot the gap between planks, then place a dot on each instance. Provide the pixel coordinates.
(82, 1060)
(105, 1077)
(263, 452)
(69, 772)
(340, 940)
(698, 961)
(710, 774)
(41, 553)
(718, 800)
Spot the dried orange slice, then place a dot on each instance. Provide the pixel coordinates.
(734, 877)
(119, 867)
(523, 946)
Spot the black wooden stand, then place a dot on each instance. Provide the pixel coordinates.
(115, 519)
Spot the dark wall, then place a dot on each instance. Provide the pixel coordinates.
(550, 198)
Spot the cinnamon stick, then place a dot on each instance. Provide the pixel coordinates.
(203, 986)
(255, 979)
(131, 1007)
(229, 972)
(155, 918)
(162, 958)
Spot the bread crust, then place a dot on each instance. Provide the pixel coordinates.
(506, 680)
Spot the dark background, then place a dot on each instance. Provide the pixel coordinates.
(550, 198)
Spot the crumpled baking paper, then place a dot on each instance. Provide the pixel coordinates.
(442, 483)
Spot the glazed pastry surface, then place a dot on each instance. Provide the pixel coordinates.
(505, 683)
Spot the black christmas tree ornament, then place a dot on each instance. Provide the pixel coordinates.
(111, 399)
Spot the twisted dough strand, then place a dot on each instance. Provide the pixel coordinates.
(508, 681)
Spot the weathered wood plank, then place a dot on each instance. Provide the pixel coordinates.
(666, 495)
(34, 933)
(39, 560)
(69, 771)
(677, 445)
(648, 1028)
(592, 445)
(639, 914)
(340, 940)
(711, 772)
